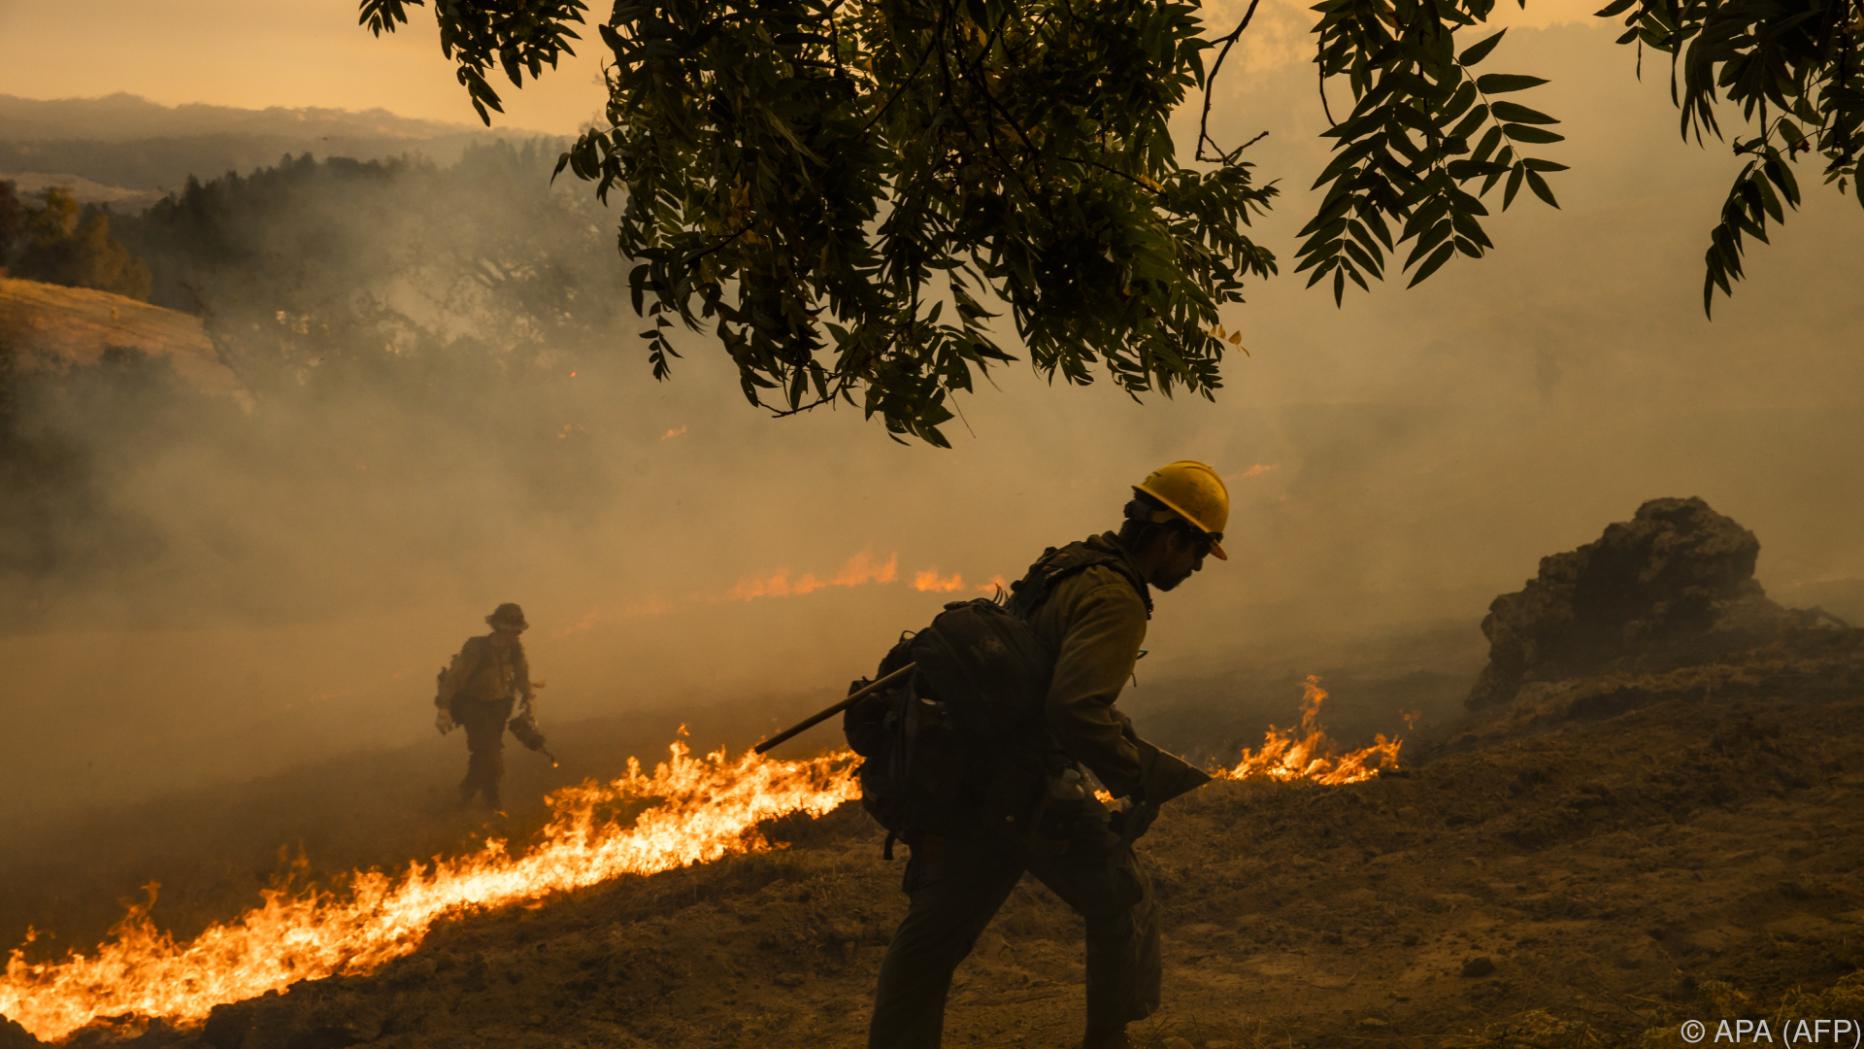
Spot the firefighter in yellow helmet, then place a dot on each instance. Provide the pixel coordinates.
(1191, 494)
(1087, 604)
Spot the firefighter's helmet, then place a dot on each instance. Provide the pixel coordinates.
(508, 616)
(1193, 493)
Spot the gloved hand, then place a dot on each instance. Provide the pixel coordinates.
(1132, 817)
(443, 720)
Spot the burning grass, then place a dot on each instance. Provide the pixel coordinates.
(698, 809)
(690, 809)
(1306, 752)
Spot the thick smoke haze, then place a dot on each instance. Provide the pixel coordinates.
(1394, 464)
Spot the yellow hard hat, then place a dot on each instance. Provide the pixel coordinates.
(1194, 492)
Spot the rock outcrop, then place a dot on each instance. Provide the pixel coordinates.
(1671, 587)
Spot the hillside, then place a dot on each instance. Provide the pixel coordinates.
(1593, 880)
(34, 184)
(124, 117)
(47, 323)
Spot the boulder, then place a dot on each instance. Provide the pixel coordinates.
(1673, 586)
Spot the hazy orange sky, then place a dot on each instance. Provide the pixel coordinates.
(259, 53)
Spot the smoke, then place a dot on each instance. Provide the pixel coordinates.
(305, 564)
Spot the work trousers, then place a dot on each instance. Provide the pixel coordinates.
(484, 721)
(956, 884)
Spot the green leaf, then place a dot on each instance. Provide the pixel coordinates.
(1469, 228)
(1435, 235)
(1432, 264)
(1470, 122)
(1781, 174)
(1513, 186)
(1479, 50)
(1501, 83)
(1376, 220)
(1530, 133)
(1490, 139)
(1458, 103)
(1520, 114)
(1540, 188)
(1364, 258)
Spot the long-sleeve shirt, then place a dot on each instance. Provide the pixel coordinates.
(487, 672)
(1094, 622)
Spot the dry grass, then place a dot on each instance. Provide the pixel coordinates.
(51, 323)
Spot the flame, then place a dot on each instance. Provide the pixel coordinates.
(1307, 752)
(930, 580)
(1257, 470)
(698, 809)
(691, 809)
(858, 570)
(672, 432)
(862, 569)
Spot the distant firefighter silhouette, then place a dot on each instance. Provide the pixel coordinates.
(479, 690)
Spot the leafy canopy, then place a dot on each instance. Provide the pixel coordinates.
(848, 190)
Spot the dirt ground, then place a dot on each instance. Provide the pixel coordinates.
(1592, 878)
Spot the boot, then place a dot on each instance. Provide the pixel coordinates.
(1107, 1038)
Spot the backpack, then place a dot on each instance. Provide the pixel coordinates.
(963, 739)
(443, 696)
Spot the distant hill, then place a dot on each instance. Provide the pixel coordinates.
(129, 147)
(124, 117)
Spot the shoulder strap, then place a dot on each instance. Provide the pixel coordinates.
(1056, 564)
(476, 651)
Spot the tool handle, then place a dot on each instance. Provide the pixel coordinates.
(823, 715)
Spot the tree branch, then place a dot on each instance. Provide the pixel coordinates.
(989, 141)
(841, 386)
(976, 72)
(1210, 83)
(908, 82)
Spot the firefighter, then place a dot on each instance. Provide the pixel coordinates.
(478, 690)
(1093, 599)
